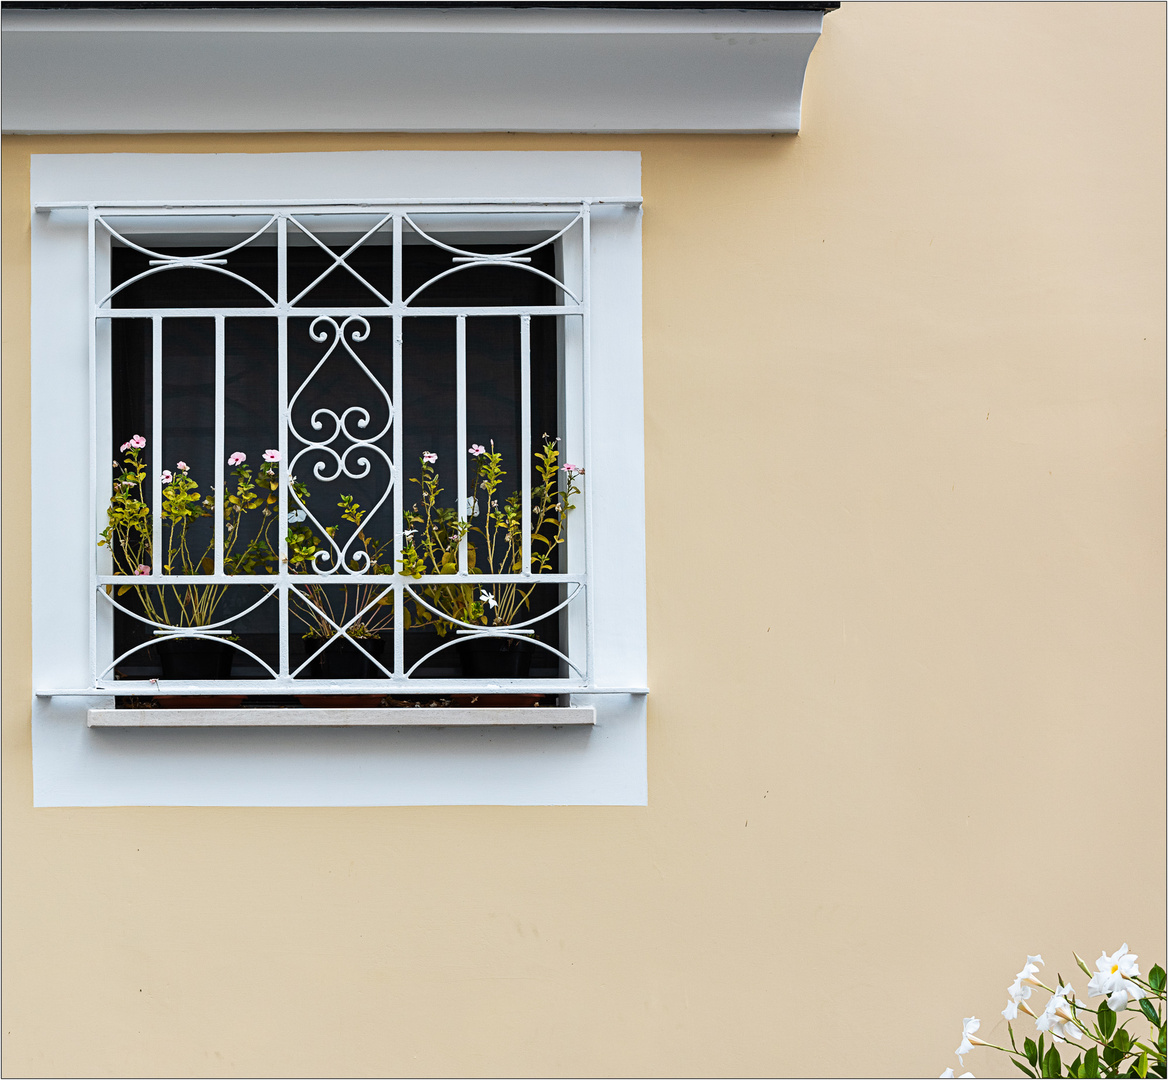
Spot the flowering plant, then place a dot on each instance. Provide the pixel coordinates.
(431, 544)
(316, 605)
(1109, 1047)
(129, 534)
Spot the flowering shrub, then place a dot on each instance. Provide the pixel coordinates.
(129, 534)
(1105, 1045)
(430, 545)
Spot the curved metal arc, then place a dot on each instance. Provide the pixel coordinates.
(211, 255)
(478, 254)
(478, 629)
(342, 631)
(166, 626)
(475, 637)
(312, 333)
(491, 262)
(183, 266)
(371, 377)
(202, 637)
(338, 260)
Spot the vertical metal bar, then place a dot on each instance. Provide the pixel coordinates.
(155, 456)
(282, 435)
(460, 390)
(586, 296)
(525, 434)
(399, 607)
(93, 459)
(220, 438)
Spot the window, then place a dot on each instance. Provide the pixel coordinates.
(403, 386)
(496, 203)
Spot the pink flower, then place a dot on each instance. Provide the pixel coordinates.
(238, 458)
(476, 450)
(166, 477)
(182, 466)
(572, 470)
(124, 447)
(143, 569)
(429, 458)
(271, 455)
(137, 442)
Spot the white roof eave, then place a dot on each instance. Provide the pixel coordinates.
(422, 69)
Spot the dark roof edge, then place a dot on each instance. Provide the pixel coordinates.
(709, 5)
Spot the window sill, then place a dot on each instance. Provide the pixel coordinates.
(388, 717)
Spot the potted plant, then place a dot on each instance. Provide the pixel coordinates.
(494, 533)
(322, 606)
(129, 536)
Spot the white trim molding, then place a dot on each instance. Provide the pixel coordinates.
(592, 751)
(408, 68)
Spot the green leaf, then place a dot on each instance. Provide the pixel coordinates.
(1073, 1068)
(1142, 1064)
(1122, 1041)
(1052, 1064)
(1027, 1071)
(1106, 1020)
(1031, 1051)
(1156, 978)
(1148, 1011)
(1091, 1062)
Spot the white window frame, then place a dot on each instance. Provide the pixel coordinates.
(69, 189)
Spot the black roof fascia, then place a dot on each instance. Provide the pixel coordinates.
(707, 5)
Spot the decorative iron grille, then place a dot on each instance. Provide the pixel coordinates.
(327, 289)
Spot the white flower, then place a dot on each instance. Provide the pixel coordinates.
(295, 516)
(406, 534)
(1020, 989)
(271, 455)
(968, 1026)
(182, 466)
(166, 477)
(1057, 1017)
(429, 457)
(1111, 979)
(476, 450)
(487, 598)
(238, 458)
(948, 1074)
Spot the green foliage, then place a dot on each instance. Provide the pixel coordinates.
(435, 535)
(1107, 1044)
(129, 536)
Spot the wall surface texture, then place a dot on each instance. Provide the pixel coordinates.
(912, 362)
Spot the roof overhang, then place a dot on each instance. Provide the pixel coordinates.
(558, 67)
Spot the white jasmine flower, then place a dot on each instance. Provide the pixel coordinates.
(1020, 989)
(487, 598)
(1111, 979)
(1057, 1017)
(968, 1041)
(948, 1075)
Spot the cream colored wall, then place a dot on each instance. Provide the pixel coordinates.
(912, 361)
